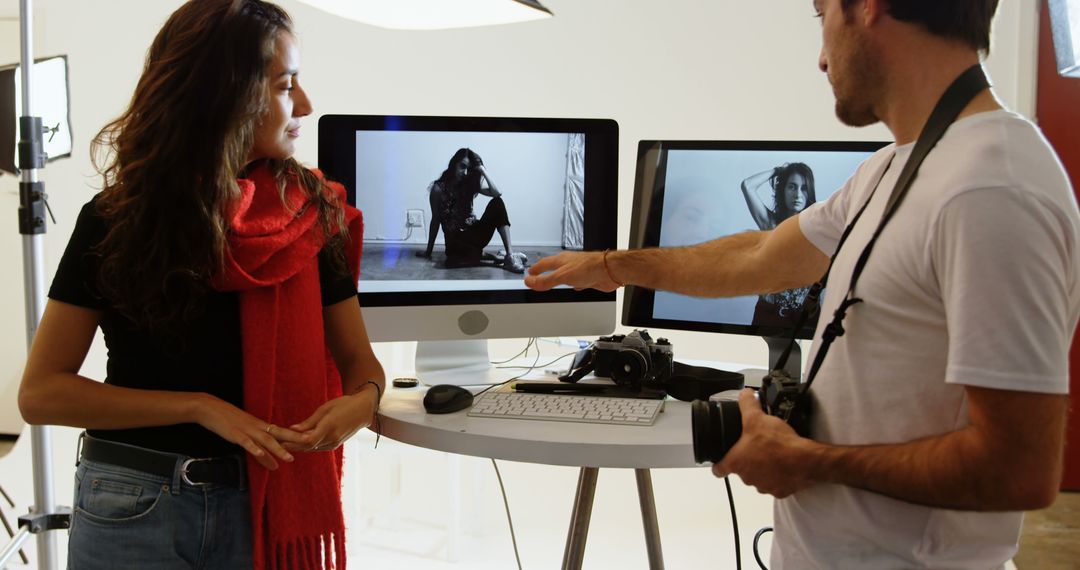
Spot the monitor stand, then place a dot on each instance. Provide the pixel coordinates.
(458, 362)
(777, 346)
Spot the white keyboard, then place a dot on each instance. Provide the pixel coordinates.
(567, 408)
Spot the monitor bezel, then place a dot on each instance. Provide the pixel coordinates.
(645, 225)
(338, 132)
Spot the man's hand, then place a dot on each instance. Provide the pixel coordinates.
(768, 454)
(580, 270)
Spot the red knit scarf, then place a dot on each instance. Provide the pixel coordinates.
(272, 261)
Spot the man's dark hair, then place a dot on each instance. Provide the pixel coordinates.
(965, 20)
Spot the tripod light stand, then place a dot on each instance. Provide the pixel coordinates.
(45, 516)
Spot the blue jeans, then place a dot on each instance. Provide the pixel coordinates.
(127, 519)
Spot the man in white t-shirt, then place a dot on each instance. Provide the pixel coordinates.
(940, 415)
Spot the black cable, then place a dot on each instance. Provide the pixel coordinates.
(509, 520)
(734, 525)
(756, 537)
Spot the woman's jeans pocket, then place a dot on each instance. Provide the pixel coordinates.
(118, 512)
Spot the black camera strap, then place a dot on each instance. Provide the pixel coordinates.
(959, 94)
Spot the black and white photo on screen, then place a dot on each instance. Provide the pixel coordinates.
(707, 194)
(504, 198)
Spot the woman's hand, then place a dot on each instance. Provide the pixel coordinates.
(262, 440)
(490, 191)
(336, 421)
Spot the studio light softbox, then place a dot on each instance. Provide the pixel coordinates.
(1065, 25)
(50, 90)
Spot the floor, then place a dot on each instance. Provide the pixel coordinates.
(396, 261)
(8, 513)
(1051, 537)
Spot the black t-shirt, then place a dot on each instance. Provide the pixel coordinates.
(203, 357)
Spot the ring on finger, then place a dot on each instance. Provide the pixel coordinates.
(269, 428)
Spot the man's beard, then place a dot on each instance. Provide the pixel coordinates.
(860, 88)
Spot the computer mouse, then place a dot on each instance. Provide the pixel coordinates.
(446, 399)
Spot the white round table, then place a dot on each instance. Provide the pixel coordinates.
(666, 443)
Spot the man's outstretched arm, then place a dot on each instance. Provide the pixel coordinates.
(742, 264)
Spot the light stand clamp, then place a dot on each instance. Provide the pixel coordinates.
(44, 522)
(33, 202)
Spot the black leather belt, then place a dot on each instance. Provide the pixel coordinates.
(226, 470)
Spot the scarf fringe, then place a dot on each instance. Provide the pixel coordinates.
(324, 552)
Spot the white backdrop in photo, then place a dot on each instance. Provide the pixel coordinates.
(395, 168)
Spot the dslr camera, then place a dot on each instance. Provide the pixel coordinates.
(716, 426)
(633, 360)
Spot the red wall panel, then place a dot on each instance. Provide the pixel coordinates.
(1058, 113)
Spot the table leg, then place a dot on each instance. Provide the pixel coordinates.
(579, 520)
(648, 519)
(453, 526)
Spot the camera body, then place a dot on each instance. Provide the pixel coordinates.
(786, 399)
(634, 359)
(717, 426)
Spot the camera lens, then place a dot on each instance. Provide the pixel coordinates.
(715, 427)
(629, 367)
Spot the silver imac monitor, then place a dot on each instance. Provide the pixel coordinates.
(688, 192)
(455, 208)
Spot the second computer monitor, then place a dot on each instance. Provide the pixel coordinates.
(688, 192)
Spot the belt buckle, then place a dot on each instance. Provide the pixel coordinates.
(184, 471)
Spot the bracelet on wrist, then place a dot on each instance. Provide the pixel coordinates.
(607, 270)
(378, 401)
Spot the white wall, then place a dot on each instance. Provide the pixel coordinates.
(678, 69)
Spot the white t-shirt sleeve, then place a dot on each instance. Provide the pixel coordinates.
(818, 225)
(1003, 268)
(823, 222)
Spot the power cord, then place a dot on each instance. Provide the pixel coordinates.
(529, 369)
(756, 538)
(502, 489)
(523, 352)
(506, 505)
(735, 527)
(544, 365)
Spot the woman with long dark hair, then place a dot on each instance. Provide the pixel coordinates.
(791, 188)
(451, 198)
(223, 276)
(792, 191)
